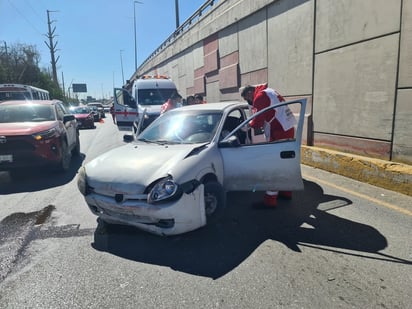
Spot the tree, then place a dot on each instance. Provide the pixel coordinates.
(19, 64)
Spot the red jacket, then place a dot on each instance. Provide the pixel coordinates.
(262, 100)
(168, 105)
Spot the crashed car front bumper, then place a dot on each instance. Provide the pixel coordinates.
(169, 218)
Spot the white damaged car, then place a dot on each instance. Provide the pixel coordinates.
(173, 177)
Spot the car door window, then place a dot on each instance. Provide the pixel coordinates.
(233, 119)
(264, 165)
(257, 135)
(124, 98)
(60, 112)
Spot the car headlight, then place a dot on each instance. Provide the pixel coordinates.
(82, 181)
(164, 190)
(45, 134)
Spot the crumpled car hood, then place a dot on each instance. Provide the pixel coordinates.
(130, 168)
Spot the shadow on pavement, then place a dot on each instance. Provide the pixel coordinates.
(215, 250)
(36, 179)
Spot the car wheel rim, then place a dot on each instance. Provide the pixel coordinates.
(210, 204)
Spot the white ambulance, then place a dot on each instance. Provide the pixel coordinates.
(143, 102)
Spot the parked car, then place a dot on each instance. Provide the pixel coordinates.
(173, 177)
(36, 133)
(99, 107)
(96, 114)
(107, 108)
(84, 116)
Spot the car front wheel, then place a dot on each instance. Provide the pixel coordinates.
(76, 149)
(215, 200)
(65, 159)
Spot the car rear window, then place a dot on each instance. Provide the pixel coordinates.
(81, 110)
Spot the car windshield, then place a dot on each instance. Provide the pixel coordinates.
(25, 113)
(154, 96)
(182, 128)
(81, 110)
(16, 95)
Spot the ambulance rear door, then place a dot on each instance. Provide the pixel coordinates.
(125, 109)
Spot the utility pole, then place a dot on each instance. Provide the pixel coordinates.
(135, 43)
(64, 92)
(121, 64)
(52, 46)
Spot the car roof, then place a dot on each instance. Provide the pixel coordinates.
(219, 106)
(152, 83)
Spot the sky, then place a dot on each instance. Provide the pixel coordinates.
(95, 38)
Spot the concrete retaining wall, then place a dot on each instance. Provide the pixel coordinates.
(352, 59)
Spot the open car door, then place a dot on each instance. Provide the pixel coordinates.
(264, 165)
(125, 109)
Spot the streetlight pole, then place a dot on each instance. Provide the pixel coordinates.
(135, 40)
(121, 64)
(177, 13)
(70, 87)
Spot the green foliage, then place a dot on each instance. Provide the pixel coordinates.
(19, 64)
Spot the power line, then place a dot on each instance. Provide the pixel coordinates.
(24, 17)
(34, 10)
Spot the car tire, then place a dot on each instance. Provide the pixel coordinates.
(103, 227)
(65, 159)
(76, 149)
(214, 201)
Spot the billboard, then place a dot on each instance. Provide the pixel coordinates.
(79, 87)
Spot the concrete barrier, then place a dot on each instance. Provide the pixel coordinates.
(385, 174)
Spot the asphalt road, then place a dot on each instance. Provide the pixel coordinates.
(337, 244)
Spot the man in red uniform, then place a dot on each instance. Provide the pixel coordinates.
(277, 123)
(173, 102)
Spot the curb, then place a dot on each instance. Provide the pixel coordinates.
(385, 174)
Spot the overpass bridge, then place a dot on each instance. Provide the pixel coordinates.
(351, 59)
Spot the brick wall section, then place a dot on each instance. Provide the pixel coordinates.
(199, 83)
(229, 72)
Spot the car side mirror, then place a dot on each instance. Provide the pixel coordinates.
(68, 117)
(128, 138)
(132, 102)
(231, 142)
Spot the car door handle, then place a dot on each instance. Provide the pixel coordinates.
(290, 154)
